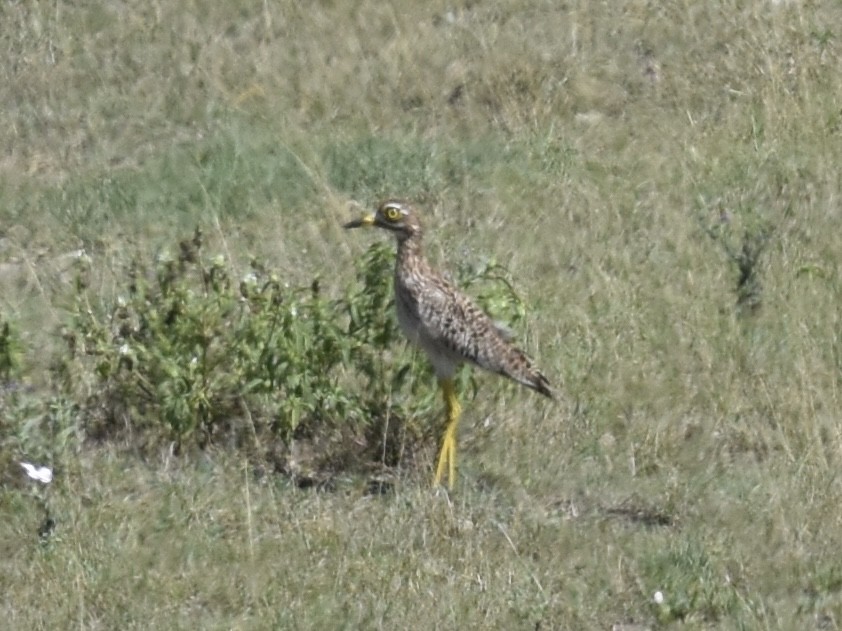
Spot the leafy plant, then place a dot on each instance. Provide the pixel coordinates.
(9, 352)
(744, 250)
(694, 585)
(190, 355)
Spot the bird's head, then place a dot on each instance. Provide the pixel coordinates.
(399, 217)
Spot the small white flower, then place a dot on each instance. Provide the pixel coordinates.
(124, 350)
(658, 598)
(250, 278)
(44, 475)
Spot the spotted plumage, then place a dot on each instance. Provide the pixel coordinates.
(444, 322)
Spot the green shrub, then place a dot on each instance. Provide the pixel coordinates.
(191, 355)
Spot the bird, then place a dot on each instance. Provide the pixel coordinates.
(445, 323)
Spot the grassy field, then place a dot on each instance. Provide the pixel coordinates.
(662, 183)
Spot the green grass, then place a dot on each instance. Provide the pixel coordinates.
(660, 181)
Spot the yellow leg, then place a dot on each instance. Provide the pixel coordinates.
(447, 455)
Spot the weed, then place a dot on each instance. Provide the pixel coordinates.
(190, 355)
(693, 586)
(744, 248)
(10, 352)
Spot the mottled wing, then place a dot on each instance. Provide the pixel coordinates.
(452, 320)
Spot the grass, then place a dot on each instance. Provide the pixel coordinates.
(661, 183)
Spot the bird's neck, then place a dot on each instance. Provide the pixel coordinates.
(410, 247)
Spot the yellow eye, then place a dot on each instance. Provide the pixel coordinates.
(392, 213)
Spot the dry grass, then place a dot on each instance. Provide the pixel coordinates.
(617, 157)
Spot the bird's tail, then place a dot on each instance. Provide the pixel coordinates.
(520, 368)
